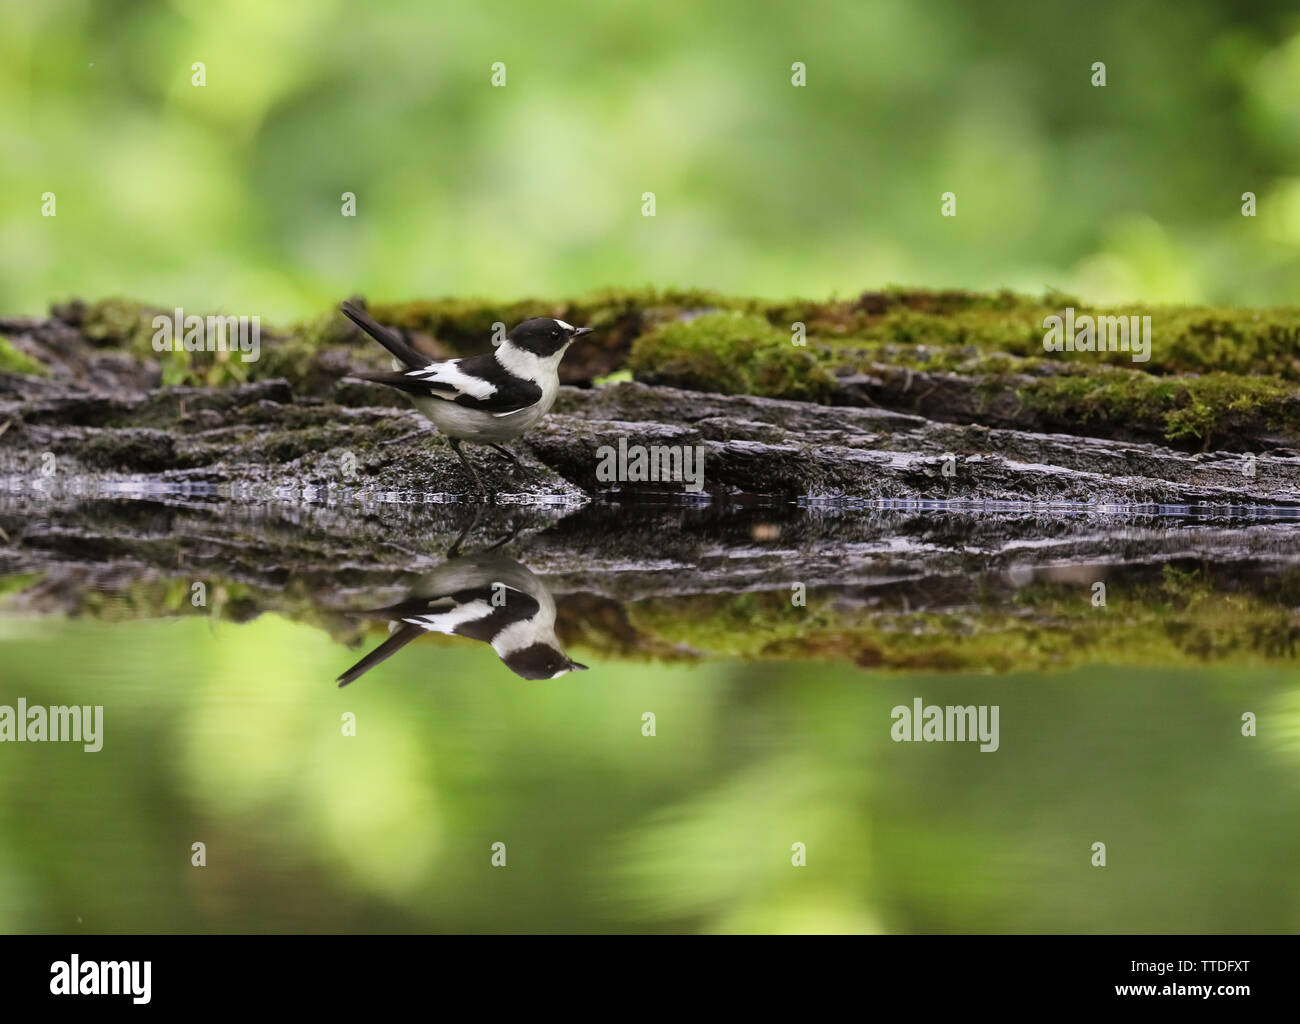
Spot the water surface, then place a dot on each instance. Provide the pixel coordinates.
(223, 725)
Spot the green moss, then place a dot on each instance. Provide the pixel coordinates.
(331, 328)
(1184, 613)
(1210, 369)
(1195, 408)
(1191, 339)
(921, 317)
(16, 584)
(731, 353)
(1176, 616)
(128, 326)
(619, 315)
(293, 358)
(459, 322)
(224, 600)
(1242, 341)
(14, 361)
(120, 323)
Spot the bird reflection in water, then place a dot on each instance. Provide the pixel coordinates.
(489, 597)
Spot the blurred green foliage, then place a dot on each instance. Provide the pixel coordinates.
(227, 196)
(231, 735)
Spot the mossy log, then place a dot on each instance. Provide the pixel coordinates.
(891, 395)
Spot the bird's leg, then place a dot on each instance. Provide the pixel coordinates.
(455, 446)
(516, 465)
(454, 550)
(515, 526)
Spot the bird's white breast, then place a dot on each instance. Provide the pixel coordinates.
(475, 424)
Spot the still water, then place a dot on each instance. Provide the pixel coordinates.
(729, 761)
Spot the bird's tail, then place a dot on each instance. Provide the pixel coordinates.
(402, 636)
(391, 340)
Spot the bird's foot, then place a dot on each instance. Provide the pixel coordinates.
(517, 468)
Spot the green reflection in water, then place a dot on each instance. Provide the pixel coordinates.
(232, 736)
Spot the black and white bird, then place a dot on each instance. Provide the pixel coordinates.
(488, 597)
(488, 399)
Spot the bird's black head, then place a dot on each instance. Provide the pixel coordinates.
(543, 336)
(540, 661)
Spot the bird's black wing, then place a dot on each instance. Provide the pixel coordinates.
(410, 606)
(502, 595)
(478, 382)
(502, 606)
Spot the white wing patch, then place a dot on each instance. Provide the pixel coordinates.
(450, 373)
(446, 622)
(458, 615)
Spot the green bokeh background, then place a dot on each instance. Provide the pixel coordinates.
(228, 196)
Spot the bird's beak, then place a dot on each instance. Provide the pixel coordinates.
(578, 332)
(577, 664)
